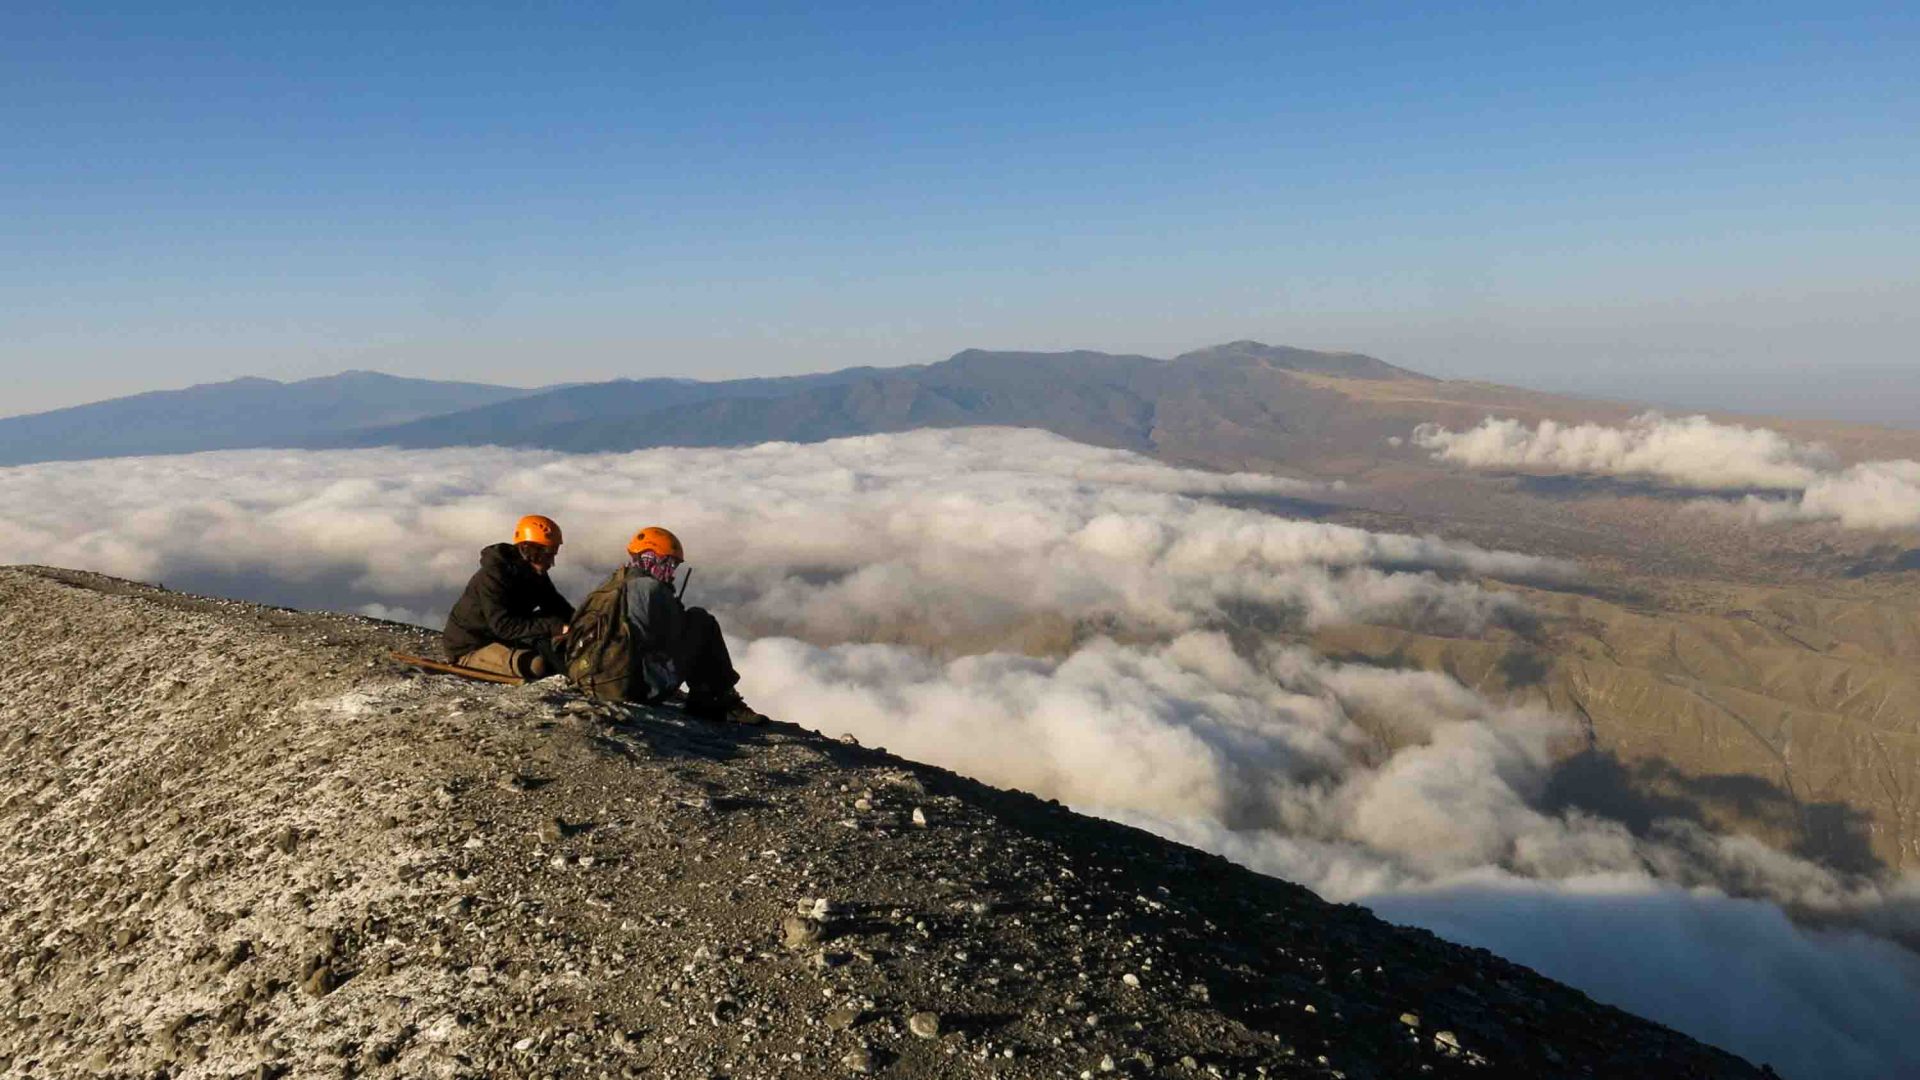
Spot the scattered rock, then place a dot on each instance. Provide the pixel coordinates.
(321, 982)
(800, 932)
(238, 953)
(925, 1025)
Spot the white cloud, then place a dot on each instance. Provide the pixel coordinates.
(1870, 495)
(1082, 623)
(973, 531)
(1696, 453)
(1692, 451)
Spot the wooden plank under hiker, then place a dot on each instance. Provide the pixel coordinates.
(444, 668)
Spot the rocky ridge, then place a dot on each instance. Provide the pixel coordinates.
(242, 843)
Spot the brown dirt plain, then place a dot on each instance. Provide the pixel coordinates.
(240, 842)
(1761, 679)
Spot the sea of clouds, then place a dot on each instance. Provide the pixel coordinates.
(1096, 627)
(1696, 454)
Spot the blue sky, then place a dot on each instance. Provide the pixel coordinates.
(1638, 201)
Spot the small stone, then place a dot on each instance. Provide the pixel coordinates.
(286, 839)
(800, 932)
(235, 955)
(1131, 980)
(859, 1060)
(849, 740)
(724, 1011)
(1107, 1064)
(1446, 1040)
(863, 805)
(1412, 1020)
(919, 818)
(524, 1045)
(553, 830)
(925, 1025)
(843, 1018)
(821, 911)
(321, 983)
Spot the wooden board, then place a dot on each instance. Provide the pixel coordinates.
(444, 668)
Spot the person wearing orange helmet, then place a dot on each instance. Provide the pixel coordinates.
(673, 643)
(511, 620)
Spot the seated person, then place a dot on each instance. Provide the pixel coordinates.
(511, 620)
(673, 643)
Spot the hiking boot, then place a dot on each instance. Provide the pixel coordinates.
(727, 707)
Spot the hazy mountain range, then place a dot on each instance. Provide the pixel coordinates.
(1135, 402)
(235, 415)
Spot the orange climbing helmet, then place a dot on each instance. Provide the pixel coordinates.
(661, 543)
(537, 529)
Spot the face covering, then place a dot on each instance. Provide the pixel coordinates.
(657, 567)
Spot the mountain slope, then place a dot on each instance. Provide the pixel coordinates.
(241, 843)
(230, 415)
(1248, 397)
(537, 419)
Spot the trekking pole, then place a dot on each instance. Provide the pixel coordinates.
(681, 593)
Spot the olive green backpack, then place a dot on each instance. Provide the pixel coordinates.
(600, 645)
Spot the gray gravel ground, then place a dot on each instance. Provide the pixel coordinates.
(239, 842)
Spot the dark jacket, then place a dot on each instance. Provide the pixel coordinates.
(507, 601)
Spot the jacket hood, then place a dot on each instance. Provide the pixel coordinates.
(495, 556)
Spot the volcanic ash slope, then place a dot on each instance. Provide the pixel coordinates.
(239, 842)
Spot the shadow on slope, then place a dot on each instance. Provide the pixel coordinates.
(1643, 793)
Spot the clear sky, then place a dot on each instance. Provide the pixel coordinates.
(1637, 200)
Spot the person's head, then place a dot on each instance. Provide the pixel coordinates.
(656, 551)
(537, 538)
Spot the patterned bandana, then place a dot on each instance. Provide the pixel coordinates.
(660, 568)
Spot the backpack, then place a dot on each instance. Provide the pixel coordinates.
(600, 645)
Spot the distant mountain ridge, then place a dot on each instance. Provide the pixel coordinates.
(1127, 401)
(1244, 394)
(240, 413)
